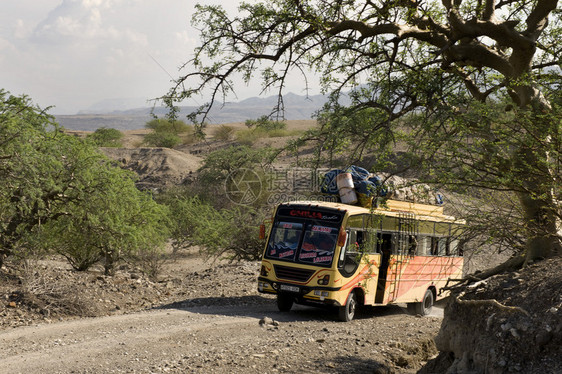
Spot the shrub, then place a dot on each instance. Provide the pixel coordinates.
(219, 164)
(167, 133)
(162, 139)
(224, 133)
(279, 133)
(264, 123)
(114, 222)
(165, 125)
(188, 137)
(249, 137)
(263, 128)
(106, 137)
(229, 232)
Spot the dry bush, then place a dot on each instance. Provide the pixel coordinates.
(50, 294)
(189, 137)
(149, 262)
(249, 137)
(224, 133)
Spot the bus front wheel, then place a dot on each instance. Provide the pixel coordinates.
(424, 307)
(347, 312)
(284, 302)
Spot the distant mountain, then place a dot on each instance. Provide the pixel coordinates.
(111, 105)
(296, 107)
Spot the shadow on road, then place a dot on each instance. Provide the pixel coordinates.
(260, 306)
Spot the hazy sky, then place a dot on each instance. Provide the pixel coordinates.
(74, 53)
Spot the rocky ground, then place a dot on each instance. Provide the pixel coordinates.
(199, 317)
(207, 317)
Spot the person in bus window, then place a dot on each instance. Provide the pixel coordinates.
(359, 241)
(412, 245)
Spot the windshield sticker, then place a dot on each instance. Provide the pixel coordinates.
(321, 229)
(331, 218)
(286, 254)
(323, 259)
(287, 225)
(307, 255)
(308, 247)
(303, 213)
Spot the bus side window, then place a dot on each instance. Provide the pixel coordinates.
(453, 247)
(434, 246)
(365, 242)
(371, 242)
(442, 247)
(351, 241)
(384, 242)
(344, 248)
(423, 245)
(359, 241)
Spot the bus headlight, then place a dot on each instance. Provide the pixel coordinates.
(263, 271)
(324, 281)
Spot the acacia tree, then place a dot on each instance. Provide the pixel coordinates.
(438, 69)
(59, 193)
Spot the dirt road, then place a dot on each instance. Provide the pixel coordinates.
(223, 339)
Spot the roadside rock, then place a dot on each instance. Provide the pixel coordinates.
(478, 335)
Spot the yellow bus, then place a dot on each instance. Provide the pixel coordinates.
(333, 254)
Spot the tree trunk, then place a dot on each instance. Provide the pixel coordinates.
(538, 202)
(109, 262)
(5, 252)
(543, 240)
(533, 168)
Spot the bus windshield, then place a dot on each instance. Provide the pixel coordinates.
(304, 243)
(284, 241)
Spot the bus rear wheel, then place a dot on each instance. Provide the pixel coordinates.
(347, 311)
(424, 307)
(284, 302)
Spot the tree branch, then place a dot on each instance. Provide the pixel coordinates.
(538, 18)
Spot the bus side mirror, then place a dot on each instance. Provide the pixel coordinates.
(342, 238)
(262, 232)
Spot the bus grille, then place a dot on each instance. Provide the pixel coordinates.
(294, 274)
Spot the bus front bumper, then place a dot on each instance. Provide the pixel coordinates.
(303, 294)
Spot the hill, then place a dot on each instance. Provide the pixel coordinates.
(297, 107)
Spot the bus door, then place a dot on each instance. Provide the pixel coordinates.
(384, 245)
(397, 248)
(359, 255)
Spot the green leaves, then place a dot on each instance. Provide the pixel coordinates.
(221, 232)
(59, 194)
(348, 135)
(106, 137)
(219, 164)
(168, 133)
